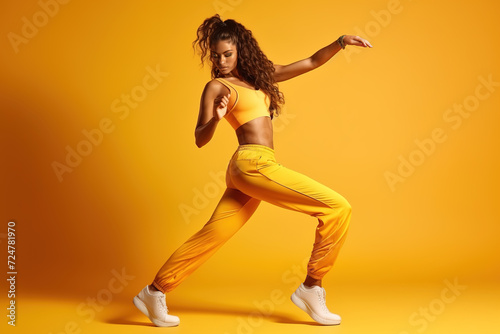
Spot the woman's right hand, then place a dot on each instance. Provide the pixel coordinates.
(221, 106)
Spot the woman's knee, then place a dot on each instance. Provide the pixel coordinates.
(346, 207)
(342, 209)
(340, 205)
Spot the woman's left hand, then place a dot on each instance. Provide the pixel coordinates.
(356, 40)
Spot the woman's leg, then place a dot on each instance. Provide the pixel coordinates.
(255, 172)
(265, 179)
(232, 212)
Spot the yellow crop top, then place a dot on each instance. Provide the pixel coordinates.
(248, 104)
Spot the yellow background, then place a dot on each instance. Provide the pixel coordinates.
(345, 124)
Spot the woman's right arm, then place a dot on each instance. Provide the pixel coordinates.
(213, 107)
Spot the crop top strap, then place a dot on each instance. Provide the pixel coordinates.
(234, 92)
(227, 84)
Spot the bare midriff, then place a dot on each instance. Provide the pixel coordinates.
(257, 131)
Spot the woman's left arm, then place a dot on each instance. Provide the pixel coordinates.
(285, 72)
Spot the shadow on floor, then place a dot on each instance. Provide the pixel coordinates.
(125, 318)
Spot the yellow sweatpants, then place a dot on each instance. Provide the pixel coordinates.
(253, 175)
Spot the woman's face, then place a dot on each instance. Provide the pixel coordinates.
(224, 56)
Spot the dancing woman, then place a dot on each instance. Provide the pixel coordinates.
(244, 91)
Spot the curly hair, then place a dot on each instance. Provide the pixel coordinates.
(253, 65)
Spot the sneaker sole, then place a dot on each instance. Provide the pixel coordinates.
(144, 309)
(304, 307)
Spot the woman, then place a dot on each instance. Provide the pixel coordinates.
(244, 91)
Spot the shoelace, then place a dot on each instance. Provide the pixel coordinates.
(322, 299)
(162, 303)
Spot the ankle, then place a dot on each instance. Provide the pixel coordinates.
(310, 282)
(153, 288)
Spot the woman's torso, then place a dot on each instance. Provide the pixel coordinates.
(257, 130)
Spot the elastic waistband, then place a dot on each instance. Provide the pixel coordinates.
(264, 150)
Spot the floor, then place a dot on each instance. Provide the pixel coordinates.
(442, 307)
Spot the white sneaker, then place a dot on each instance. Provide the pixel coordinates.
(312, 301)
(152, 304)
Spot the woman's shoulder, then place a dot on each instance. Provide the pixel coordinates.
(215, 87)
(214, 84)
